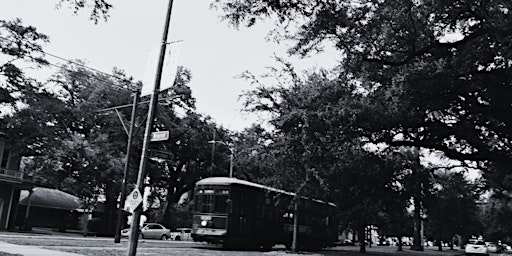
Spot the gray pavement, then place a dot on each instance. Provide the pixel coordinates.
(28, 250)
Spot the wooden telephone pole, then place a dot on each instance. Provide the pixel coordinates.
(134, 229)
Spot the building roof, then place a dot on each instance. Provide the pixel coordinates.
(52, 198)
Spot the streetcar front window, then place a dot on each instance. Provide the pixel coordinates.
(221, 203)
(212, 203)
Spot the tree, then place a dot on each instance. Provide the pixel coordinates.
(19, 45)
(184, 159)
(255, 157)
(445, 63)
(320, 148)
(67, 143)
(452, 207)
(453, 84)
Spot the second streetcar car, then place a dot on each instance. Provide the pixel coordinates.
(240, 214)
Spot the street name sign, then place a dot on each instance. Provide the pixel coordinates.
(159, 136)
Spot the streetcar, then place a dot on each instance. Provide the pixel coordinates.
(240, 214)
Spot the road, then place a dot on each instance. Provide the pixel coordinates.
(106, 247)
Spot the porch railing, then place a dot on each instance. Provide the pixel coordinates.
(11, 174)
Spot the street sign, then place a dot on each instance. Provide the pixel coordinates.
(159, 136)
(133, 200)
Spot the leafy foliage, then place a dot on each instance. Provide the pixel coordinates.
(19, 45)
(452, 208)
(99, 8)
(430, 74)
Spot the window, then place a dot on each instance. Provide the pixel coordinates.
(221, 204)
(5, 158)
(154, 227)
(212, 203)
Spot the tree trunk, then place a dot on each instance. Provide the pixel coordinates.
(362, 236)
(26, 225)
(295, 226)
(417, 235)
(166, 216)
(85, 221)
(110, 210)
(399, 243)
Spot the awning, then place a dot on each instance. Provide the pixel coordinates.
(52, 198)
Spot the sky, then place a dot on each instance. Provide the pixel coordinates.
(213, 51)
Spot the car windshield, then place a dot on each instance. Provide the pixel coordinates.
(477, 242)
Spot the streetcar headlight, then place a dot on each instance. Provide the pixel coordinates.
(204, 223)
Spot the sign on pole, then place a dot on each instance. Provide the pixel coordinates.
(159, 136)
(133, 200)
(170, 68)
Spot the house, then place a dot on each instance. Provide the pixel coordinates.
(50, 208)
(12, 181)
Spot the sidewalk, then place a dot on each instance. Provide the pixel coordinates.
(49, 231)
(27, 250)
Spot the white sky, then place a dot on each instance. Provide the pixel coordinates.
(214, 52)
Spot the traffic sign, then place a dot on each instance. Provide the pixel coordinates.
(159, 136)
(133, 200)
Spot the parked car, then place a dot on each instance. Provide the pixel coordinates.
(505, 247)
(383, 243)
(476, 247)
(182, 234)
(347, 242)
(492, 247)
(151, 231)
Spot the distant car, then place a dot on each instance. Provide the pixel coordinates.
(347, 242)
(383, 243)
(476, 247)
(492, 247)
(182, 234)
(151, 231)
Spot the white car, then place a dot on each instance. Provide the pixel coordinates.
(151, 231)
(492, 247)
(476, 247)
(182, 234)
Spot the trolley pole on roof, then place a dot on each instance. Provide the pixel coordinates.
(134, 229)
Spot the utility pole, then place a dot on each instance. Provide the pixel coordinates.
(117, 238)
(213, 150)
(134, 230)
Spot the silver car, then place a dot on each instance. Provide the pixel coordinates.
(151, 231)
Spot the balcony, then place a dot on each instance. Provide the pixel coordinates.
(11, 175)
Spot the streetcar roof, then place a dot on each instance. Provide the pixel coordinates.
(230, 181)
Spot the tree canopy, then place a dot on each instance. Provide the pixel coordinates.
(446, 64)
(426, 74)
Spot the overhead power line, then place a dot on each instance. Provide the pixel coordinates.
(78, 64)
